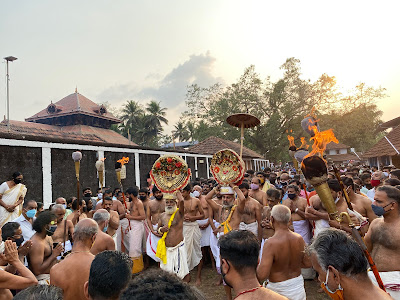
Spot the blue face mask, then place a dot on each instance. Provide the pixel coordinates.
(378, 210)
(31, 213)
(65, 206)
(105, 228)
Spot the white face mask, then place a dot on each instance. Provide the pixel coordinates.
(337, 199)
(196, 194)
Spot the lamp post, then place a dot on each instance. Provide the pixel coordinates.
(8, 58)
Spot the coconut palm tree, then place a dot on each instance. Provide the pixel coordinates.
(180, 132)
(131, 113)
(157, 114)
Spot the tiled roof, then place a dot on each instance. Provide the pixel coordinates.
(333, 145)
(73, 104)
(81, 134)
(383, 148)
(390, 124)
(342, 157)
(213, 144)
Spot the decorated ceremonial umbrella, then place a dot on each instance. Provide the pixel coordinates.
(227, 167)
(170, 173)
(100, 170)
(77, 156)
(242, 121)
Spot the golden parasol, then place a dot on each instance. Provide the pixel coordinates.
(242, 121)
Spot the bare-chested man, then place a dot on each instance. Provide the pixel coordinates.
(103, 240)
(227, 216)
(65, 228)
(191, 231)
(43, 255)
(256, 192)
(136, 216)
(383, 238)
(113, 224)
(360, 203)
(283, 257)
(77, 211)
(174, 257)
(154, 209)
(72, 273)
(251, 213)
(116, 204)
(205, 228)
(297, 206)
(274, 196)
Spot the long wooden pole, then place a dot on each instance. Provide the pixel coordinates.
(241, 139)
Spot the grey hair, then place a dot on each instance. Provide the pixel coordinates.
(281, 213)
(57, 206)
(333, 247)
(40, 292)
(83, 231)
(101, 216)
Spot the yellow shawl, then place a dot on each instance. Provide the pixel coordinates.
(227, 226)
(161, 252)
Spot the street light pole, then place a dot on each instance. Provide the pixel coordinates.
(8, 58)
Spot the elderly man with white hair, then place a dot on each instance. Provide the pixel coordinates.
(65, 228)
(283, 257)
(103, 240)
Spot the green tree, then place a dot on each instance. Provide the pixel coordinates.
(180, 132)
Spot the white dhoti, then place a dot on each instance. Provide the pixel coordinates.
(253, 227)
(192, 236)
(176, 260)
(391, 281)
(123, 236)
(319, 226)
(136, 238)
(151, 245)
(145, 235)
(292, 288)
(302, 227)
(214, 246)
(205, 233)
(43, 279)
(68, 247)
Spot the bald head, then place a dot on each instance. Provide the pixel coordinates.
(61, 200)
(281, 214)
(85, 230)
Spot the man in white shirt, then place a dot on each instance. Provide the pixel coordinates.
(25, 220)
(376, 181)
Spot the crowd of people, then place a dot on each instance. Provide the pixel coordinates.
(264, 237)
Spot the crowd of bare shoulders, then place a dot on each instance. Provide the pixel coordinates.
(264, 237)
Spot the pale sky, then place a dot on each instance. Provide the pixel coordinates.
(140, 50)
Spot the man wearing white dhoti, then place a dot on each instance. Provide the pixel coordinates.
(155, 208)
(12, 194)
(171, 249)
(283, 257)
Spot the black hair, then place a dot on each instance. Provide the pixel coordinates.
(115, 191)
(43, 219)
(159, 284)
(365, 176)
(392, 181)
(347, 181)
(241, 249)
(110, 273)
(108, 191)
(396, 173)
(155, 189)
(294, 181)
(40, 292)
(250, 172)
(16, 174)
(260, 173)
(133, 191)
(107, 198)
(144, 190)
(187, 188)
(8, 230)
(244, 185)
(274, 193)
(85, 189)
(334, 185)
(76, 204)
(39, 205)
(391, 192)
(295, 187)
(26, 202)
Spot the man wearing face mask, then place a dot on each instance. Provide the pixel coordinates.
(103, 240)
(25, 220)
(297, 206)
(155, 208)
(264, 183)
(72, 273)
(239, 258)
(256, 193)
(366, 182)
(383, 238)
(342, 267)
(12, 231)
(12, 194)
(63, 202)
(43, 255)
(376, 181)
(65, 228)
(283, 257)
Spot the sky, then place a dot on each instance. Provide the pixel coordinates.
(114, 51)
